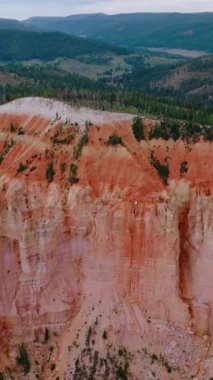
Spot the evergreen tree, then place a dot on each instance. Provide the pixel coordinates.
(138, 128)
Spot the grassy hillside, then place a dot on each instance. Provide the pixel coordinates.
(22, 45)
(168, 30)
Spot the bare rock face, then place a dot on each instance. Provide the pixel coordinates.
(105, 271)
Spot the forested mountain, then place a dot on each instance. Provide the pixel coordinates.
(168, 30)
(18, 80)
(107, 76)
(21, 45)
(191, 81)
(135, 30)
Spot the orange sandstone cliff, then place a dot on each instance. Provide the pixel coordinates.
(106, 272)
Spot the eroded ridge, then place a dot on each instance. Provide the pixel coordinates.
(105, 255)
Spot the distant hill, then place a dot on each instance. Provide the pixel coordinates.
(62, 24)
(10, 24)
(14, 24)
(167, 30)
(24, 45)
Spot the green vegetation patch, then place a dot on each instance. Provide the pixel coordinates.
(183, 167)
(162, 169)
(46, 335)
(57, 139)
(84, 139)
(50, 173)
(114, 139)
(73, 173)
(23, 359)
(7, 147)
(171, 129)
(21, 168)
(138, 129)
(89, 364)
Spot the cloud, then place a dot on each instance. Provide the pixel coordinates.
(22, 9)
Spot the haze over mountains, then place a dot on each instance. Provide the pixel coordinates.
(188, 31)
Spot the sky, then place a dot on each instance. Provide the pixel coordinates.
(22, 9)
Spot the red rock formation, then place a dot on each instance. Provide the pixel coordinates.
(119, 251)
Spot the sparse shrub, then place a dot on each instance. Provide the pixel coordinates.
(66, 140)
(46, 335)
(73, 168)
(153, 358)
(12, 129)
(52, 367)
(63, 167)
(73, 172)
(89, 333)
(114, 139)
(23, 360)
(104, 335)
(183, 167)
(162, 169)
(33, 168)
(138, 128)
(94, 366)
(21, 168)
(88, 364)
(81, 143)
(50, 173)
(7, 147)
(168, 368)
(122, 351)
(51, 349)
(161, 360)
(121, 374)
(57, 117)
(209, 136)
(88, 123)
(21, 131)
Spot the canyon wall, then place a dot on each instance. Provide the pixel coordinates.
(115, 259)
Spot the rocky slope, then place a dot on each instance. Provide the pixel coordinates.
(105, 270)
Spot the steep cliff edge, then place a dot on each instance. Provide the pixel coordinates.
(105, 269)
